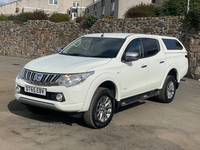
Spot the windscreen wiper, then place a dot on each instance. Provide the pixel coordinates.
(99, 56)
(75, 54)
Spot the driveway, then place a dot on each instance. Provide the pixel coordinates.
(143, 125)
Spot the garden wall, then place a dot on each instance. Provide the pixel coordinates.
(39, 38)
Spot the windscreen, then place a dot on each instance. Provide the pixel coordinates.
(94, 47)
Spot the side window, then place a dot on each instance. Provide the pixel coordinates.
(172, 44)
(135, 46)
(151, 46)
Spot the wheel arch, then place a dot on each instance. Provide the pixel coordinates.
(109, 85)
(173, 72)
(106, 80)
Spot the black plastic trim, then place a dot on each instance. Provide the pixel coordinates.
(49, 95)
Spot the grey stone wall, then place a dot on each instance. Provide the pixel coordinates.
(39, 38)
(166, 26)
(36, 38)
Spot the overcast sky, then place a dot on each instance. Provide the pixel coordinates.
(2, 2)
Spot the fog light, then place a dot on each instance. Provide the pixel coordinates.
(59, 97)
(18, 89)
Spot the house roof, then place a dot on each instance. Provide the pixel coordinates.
(9, 3)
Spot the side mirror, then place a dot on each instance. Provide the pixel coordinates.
(131, 56)
(59, 49)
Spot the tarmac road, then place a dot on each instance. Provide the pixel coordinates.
(144, 125)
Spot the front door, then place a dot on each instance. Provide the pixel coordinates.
(134, 73)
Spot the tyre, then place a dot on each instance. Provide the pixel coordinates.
(101, 109)
(168, 91)
(34, 109)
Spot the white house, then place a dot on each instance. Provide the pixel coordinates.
(50, 6)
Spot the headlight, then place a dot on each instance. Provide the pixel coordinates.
(20, 75)
(71, 80)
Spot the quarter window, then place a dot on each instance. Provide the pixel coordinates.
(151, 46)
(135, 46)
(172, 44)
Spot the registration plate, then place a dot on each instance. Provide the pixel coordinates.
(35, 90)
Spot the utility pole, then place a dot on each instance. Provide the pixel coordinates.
(188, 7)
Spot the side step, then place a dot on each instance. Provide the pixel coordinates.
(143, 96)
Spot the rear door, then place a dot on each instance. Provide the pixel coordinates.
(156, 62)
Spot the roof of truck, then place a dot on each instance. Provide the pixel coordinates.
(125, 35)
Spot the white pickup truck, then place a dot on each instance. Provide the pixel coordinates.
(98, 73)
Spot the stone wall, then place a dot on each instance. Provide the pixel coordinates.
(39, 38)
(166, 26)
(36, 38)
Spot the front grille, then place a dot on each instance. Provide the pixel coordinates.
(38, 78)
(49, 95)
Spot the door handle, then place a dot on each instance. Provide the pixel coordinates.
(144, 66)
(161, 62)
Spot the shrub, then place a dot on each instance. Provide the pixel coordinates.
(37, 15)
(10, 17)
(177, 7)
(142, 10)
(22, 17)
(193, 18)
(80, 19)
(109, 17)
(56, 17)
(90, 20)
(2, 17)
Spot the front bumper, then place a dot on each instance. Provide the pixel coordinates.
(74, 97)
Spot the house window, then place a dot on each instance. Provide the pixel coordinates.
(103, 10)
(53, 2)
(112, 5)
(153, 1)
(102, 7)
(76, 4)
(95, 9)
(74, 10)
(103, 3)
